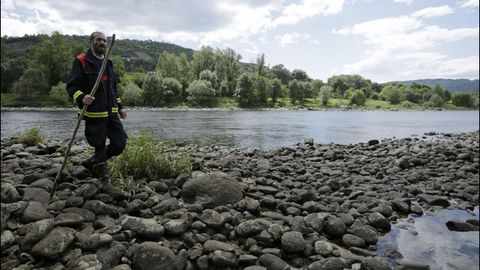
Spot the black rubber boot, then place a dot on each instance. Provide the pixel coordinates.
(101, 172)
(106, 183)
(88, 164)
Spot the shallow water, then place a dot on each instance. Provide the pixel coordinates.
(427, 240)
(258, 129)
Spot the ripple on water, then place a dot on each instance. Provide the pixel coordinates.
(427, 240)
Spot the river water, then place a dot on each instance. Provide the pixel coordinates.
(258, 129)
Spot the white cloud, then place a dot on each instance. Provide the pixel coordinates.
(199, 21)
(405, 47)
(433, 12)
(470, 4)
(293, 38)
(294, 13)
(408, 2)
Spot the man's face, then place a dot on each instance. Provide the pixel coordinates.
(99, 44)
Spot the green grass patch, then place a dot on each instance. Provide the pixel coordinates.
(146, 157)
(227, 102)
(31, 137)
(10, 100)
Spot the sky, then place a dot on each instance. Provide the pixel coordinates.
(381, 40)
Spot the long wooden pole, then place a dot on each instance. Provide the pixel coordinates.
(92, 93)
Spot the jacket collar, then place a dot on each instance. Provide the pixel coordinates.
(91, 57)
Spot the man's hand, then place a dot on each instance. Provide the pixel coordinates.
(87, 99)
(122, 113)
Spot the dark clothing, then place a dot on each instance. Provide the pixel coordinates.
(97, 132)
(101, 117)
(81, 80)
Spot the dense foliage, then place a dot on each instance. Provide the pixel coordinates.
(160, 74)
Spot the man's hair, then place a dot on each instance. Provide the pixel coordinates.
(92, 35)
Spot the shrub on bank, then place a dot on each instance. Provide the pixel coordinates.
(31, 137)
(146, 157)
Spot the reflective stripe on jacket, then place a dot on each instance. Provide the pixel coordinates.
(81, 80)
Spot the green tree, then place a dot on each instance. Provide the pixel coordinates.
(33, 81)
(132, 95)
(152, 87)
(228, 68)
(300, 75)
(262, 88)
(282, 73)
(171, 88)
(54, 55)
(59, 95)
(210, 76)
(260, 67)
(245, 90)
(12, 70)
(339, 85)
(358, 98)
(167, 65)
(391, 93)
(307, 89)
(463, 100)
(436, 100)
(204, 59)
(317, 85)
(325, 94)
(201, 93)
(184, 74)
(119, 66)
(276, 89)
(295, 91)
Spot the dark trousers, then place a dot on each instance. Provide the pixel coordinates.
(98, 130)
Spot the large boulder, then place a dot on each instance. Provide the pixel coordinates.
(152, 256)
(56, 242)
(211, 190)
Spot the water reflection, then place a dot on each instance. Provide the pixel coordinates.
(427, 240)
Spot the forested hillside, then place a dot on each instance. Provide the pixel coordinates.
(139, 55)
(452, 85)
(34, 70)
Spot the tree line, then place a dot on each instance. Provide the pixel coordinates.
(204, 77)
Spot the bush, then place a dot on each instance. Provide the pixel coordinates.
(152, 87)
(375, 96)
(358, 98)
(59, 94)
(407, 104)
(463, 100)
(132, 94)
(146, 157)
(296, 91)
(244, 92)
(171, 87)
(210, 76)
(201, 93)
(392, 94)
(31, 137)
(436, 100)
(325, 94)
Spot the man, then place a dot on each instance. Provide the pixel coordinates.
(101, 116)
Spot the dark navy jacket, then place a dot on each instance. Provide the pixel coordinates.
(81, 80)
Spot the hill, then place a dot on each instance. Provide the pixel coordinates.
(452, 85)
(138, 54)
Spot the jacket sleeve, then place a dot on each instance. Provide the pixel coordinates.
(74, 84)
(115, 85)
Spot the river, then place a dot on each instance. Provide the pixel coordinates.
(258, 129)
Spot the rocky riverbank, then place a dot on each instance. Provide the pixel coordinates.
(310, 206)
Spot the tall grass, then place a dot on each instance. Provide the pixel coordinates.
(146, 157)
(31, 137)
